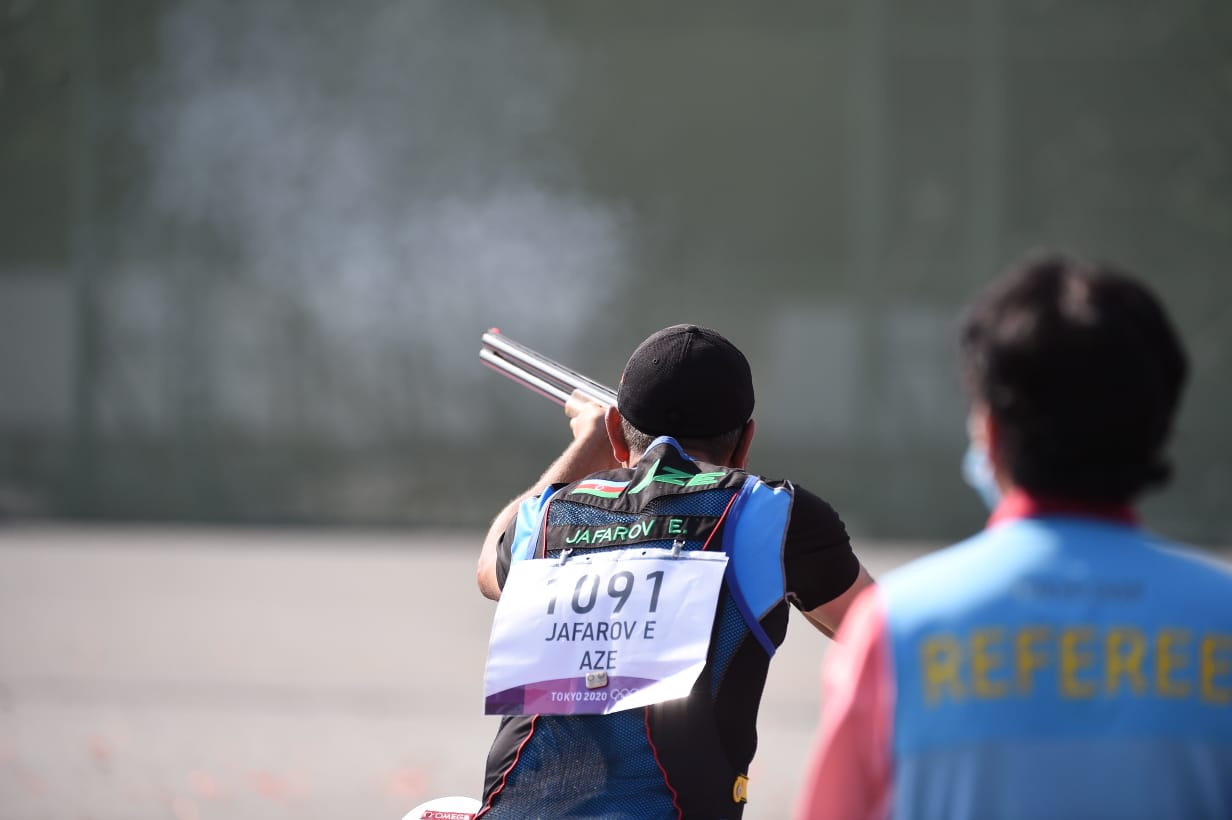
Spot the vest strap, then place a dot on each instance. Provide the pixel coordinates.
(733, 578)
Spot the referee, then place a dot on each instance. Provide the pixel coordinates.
(1065, 662)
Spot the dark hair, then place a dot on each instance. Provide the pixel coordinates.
(1082, 371)
(712, 447)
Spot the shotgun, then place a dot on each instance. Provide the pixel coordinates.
(549, 379)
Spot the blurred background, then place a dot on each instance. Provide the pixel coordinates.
(247, 250)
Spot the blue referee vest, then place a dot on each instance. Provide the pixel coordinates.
(1062, 667)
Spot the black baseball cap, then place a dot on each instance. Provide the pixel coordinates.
(686, 381)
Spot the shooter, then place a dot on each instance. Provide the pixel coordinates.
(660, 467)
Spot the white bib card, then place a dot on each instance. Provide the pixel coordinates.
(601, 633)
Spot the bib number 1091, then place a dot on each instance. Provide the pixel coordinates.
(620, 586)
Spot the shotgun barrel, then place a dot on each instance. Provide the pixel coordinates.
(537, 372)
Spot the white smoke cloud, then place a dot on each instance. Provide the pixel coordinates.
(387, 178)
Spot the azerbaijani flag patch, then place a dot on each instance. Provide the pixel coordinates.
(601, 488)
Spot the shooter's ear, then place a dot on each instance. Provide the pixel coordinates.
(740, 455)
(616, 435)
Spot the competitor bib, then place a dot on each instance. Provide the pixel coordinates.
(601, 633)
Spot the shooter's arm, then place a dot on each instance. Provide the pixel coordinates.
(589, 452)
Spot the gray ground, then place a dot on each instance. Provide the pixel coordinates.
(197, 675)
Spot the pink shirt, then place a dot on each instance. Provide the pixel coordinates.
(850, 773)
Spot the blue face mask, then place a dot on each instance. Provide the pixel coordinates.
(977, 472)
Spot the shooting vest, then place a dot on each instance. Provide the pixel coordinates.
(666, 760)
(1061, 667)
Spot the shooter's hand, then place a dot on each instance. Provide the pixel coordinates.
(591, 450)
